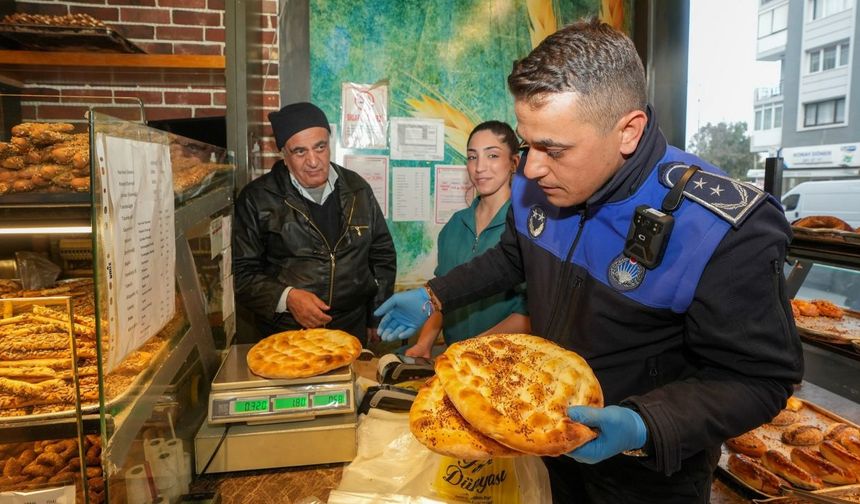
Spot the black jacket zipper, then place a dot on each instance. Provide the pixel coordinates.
(567, 267)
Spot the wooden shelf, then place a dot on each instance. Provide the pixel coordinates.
(42, 67)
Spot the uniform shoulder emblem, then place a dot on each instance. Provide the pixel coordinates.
(730, 199)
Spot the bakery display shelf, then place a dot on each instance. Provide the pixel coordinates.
(828, 252)
(42, 37)
(848, 494)
(54, 67)
(810, 414)
(202, 207)
(848, 351)
(130, 415)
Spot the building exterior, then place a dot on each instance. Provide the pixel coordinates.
(811, 117)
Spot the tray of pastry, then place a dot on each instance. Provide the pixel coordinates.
(804, 446)
(75, 32)
(822, 320)
(849, 493)
(825, 228)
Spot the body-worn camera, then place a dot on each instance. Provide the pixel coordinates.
(648, 236)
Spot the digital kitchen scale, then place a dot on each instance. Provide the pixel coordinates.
(252, 419)
(240, 396)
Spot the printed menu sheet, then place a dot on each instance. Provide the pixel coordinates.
(136, 239)
(452, 187)
(374, 169)
(410, 195)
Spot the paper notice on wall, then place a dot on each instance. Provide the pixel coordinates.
(219, 235)
(452, 191)
(417, 139)
(136, 239)
(374, 169)
(364, 115)
(411, 194)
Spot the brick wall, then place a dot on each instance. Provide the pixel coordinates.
(157, 27)
(164, 27)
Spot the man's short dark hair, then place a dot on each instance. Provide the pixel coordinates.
(591, 59)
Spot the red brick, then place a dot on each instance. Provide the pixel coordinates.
(207, 49)
(215, 5)
(156, 113)
(196, 18)
(136, 31)
(179, 33)
(155, 16)
(70, 94)
(270, 7)
(187, 98)
(28, 112)
(273, 21)
(215, 34)
(268, 37)
(128, 113)
(50, 9)
(156, 47)
(102, 13)
(136, 3)
(209, 112)
(95, 2)
(147, 97)
(45, 94)
(271, 100)
(219, 98)
(271, 84)
(183, 4)
(68, 112)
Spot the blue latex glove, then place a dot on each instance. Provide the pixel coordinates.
(403, 313)
(620, 429)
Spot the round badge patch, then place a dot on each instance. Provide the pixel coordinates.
(536, 221)
(625, 273)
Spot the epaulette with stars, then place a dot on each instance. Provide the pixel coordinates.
(730, 199)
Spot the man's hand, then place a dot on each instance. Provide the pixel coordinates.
(403, 313)
(372, 335)
(620, 429)
(307, 309)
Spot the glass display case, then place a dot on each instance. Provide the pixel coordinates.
(824, 269)
(121, 248)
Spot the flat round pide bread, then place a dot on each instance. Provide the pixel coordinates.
(304, 353)
(516, 388)
(437, 425)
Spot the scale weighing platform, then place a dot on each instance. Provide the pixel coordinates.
(258, 423)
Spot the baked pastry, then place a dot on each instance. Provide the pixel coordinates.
(817, 465)
(802, 435)
(805, 308)
(839, 430)
(785, 417)
(516, 388)
(823, 222)
(836, 453)
(851, 443)
(299, 354)
(748, 444)
(780, 465)
(753, 474)
(828, 309)
(437, 425)
(793, 404)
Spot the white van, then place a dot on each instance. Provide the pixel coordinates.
(838, 198)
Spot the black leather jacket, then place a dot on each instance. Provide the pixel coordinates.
(276, 244)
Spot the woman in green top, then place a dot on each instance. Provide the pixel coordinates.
(491, 159)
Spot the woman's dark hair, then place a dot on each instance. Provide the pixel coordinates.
(501, 130)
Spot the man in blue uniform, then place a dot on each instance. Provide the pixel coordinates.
(697, 346)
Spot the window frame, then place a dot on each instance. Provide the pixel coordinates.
(837, 112)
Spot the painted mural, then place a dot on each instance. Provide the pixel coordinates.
(443, 59)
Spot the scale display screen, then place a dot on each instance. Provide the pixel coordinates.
(250, 406)
(291, 402)
(329, 399)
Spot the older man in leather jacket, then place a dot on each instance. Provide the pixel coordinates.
(310, 244)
